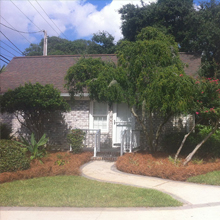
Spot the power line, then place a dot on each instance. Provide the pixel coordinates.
(5, 58)
(7, 51)
(24, 14)
(13, 44)
(21, 31)
(43, 17)
(6, 55)
(50, 18)
(9, 46)
(18, 32)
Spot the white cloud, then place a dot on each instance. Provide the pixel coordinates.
(107, 19)
(81, 17)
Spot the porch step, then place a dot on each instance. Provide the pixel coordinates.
(107, 156)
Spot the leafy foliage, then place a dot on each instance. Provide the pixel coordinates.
(149, 76)
(32, 105)
(196, 30)
(86, 74)
(168, 15)
(75, 138)
(101, 43)
(35, 148)
(12, 157)
(207, 41)
(208, 100)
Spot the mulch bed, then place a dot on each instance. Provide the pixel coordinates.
(158, 165)
(59, 163)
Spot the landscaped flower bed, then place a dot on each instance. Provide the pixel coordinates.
(159, 165)
(59, 163)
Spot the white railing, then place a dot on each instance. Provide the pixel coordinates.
(92, 139)
(130, 139)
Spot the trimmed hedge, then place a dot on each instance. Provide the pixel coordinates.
(12, 157)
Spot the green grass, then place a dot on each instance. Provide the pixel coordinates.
(76, 191)
(212, 178)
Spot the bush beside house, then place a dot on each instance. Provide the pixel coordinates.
(12, 157)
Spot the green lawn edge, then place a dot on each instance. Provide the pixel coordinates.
(211, 178)
(77, 191)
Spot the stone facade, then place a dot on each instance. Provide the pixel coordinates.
(59, 124)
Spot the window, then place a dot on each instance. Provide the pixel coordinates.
(99, 116)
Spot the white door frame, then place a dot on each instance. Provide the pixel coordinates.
(114, 126)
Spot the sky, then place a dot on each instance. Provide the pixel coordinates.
(69, 19)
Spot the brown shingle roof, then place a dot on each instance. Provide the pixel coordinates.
(52, 69)
(193, 63)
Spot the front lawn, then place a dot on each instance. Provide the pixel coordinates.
(60, 185)
(212, 178)
(76, 191)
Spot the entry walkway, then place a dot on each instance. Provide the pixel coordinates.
(201, 202)
(189, 193)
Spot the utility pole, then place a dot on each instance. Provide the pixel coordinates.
(45, 43)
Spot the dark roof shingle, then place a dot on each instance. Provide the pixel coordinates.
(52, 69)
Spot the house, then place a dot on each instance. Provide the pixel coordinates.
(84, 114)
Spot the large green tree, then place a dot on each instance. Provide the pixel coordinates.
(208, 38)
(196, 30)
(169, 14)
(149, 77)
(32, 105)
(101, 43)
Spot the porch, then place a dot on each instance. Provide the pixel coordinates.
(129, 141)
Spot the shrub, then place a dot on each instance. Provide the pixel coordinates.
(5, 131)
(75, 138)
(12, 157)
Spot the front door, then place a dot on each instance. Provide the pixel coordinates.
(122, 120)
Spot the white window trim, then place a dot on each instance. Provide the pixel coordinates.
(91, 119)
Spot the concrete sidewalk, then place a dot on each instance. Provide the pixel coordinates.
(188, 193)
(201, 202)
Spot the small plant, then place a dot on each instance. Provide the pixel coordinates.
(34, 147)
(59, 156)
(132, 161)
(60, 162)
(159, 163)
(197, 161)
(172, 160)
(75, 138)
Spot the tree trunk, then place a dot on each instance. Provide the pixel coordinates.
(159, 130)
(183, 141)
(151, 133)
(189, 157)
(142, 125)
